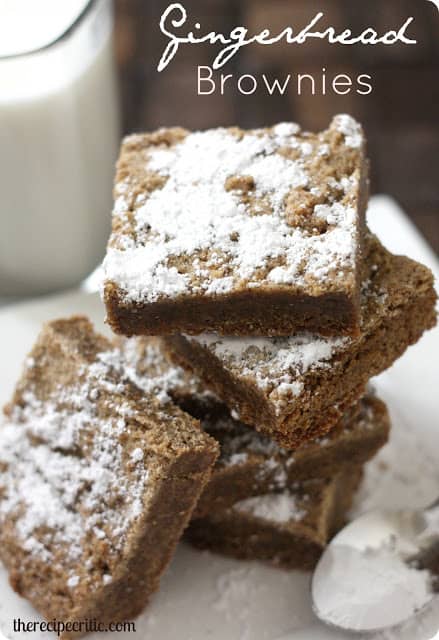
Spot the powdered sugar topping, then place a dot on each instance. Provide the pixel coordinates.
(350, 129)
(145, 365)
(240, 444)
(277, 365)
(239, 441)
(220, 219)
(277, 507)
(65, 477)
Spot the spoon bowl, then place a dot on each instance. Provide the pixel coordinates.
(372, 576)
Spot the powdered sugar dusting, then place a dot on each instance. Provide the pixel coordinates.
(148, 367)
(277, 365)
(241, 444)
(404, 474)
(66, 479)
(201, 233)
(276, 507)
(145, 365)
(73, 582)
(350, 129)
(368, 588)
(239, 441)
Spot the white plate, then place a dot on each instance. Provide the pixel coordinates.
(206, 597)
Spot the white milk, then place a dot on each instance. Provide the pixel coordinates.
(27, 25)
(59, 133)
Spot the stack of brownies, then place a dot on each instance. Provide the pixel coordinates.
(252, 306)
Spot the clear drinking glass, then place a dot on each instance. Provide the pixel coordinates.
(59, 134)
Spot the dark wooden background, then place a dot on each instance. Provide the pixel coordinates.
(401, 116)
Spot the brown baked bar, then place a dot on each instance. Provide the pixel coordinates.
(97, 481)
(251, 464)
(238, 232)
(295, 389)
(288, 529)
(148, 366)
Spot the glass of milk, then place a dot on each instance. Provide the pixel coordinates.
(59, 134)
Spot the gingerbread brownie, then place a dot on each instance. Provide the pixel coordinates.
(249, 463)
(239, 232)
(97, 480)
(296, 389)
(288, 529)
(148, 367)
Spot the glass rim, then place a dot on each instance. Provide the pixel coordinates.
(63, 36)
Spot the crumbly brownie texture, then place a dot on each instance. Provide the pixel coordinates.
(288, 529)
(97, 480)
(239, 232)
(249, 463)
(148, 367)
(296, 389)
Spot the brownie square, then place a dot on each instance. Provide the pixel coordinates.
(250, 463)
(239, 232)
(288, 529)
(295, 389)
(97, 480)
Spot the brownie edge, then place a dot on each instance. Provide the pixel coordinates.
(97, 480)
(288, 530)
(296, 389)
(239, 232)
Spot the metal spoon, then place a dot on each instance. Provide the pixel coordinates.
(379, 571)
